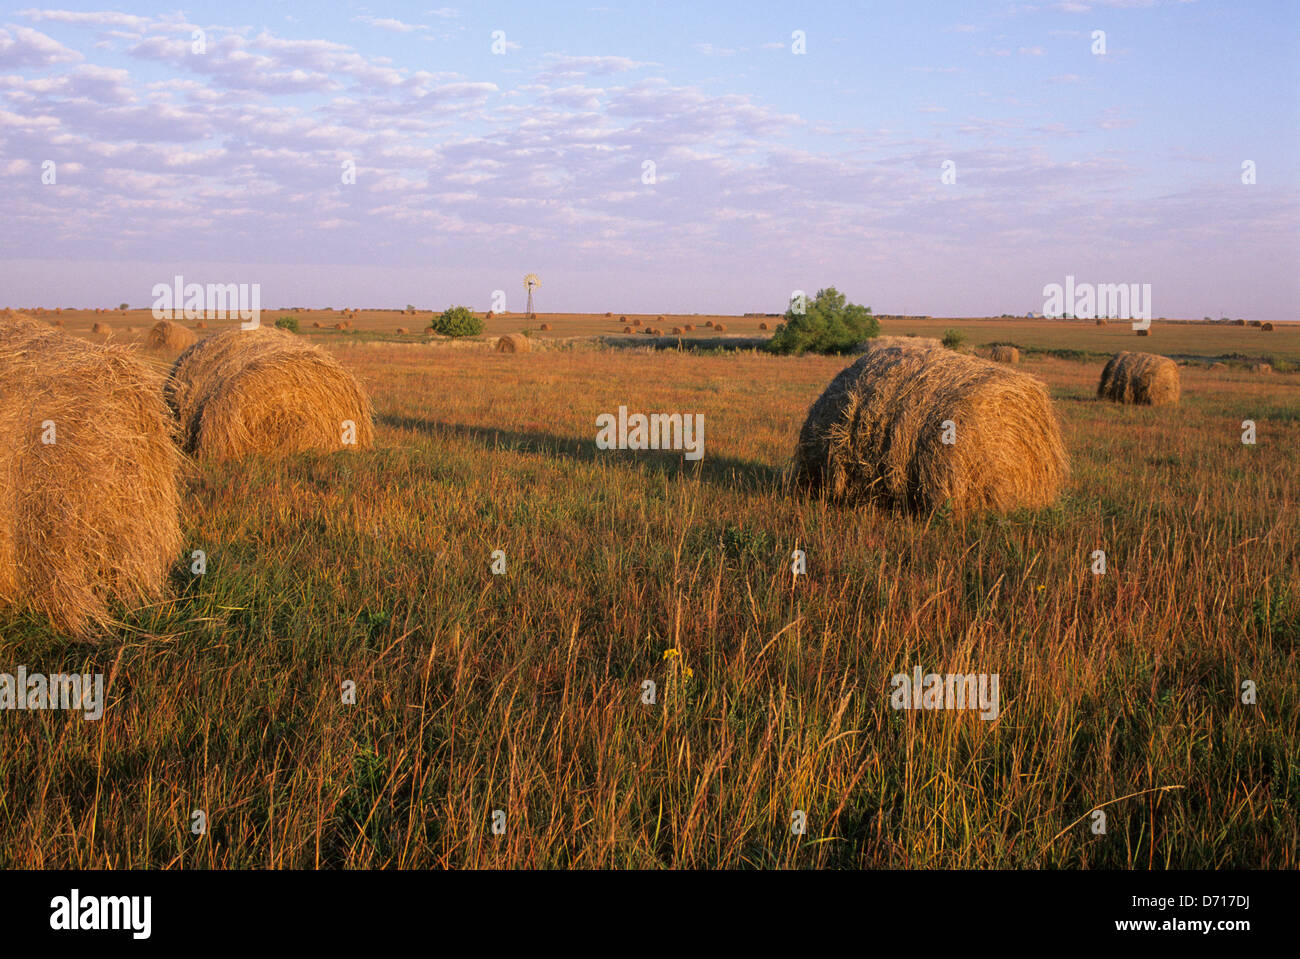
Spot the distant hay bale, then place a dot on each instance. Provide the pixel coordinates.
(545, 327)
(167, 335)
(200, 325)
(877, 434)
(490, 315)
(720, 327)
(622, 319)
(1218, 366)
(762, 326)
(245, 392)
(101, 329)
(1238, 322)
(1256, 323)
(316, 324)
(1100, 321)
(659, 319)
(690, 327)
(709, 324)
(1266, 327)
(402, 330)
(1261, 368)
(677, 331)
(609, 314)
(637, 322)
(1141, 378)
(1143, 332)
(1004, 354)
(627, 329)
(92, 517)
(339, 326)
(514, 343)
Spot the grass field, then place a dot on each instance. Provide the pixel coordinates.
(522, 692)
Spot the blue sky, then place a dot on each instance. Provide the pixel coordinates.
(774, 171)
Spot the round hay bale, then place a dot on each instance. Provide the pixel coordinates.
(690, 327)
(677, 331)
(1238, 322)
(101, 329)
(762, 326)
(1256, 323)
(316, 324)
(1143, 332)
(627, 329)
(1141, 378)
(659, 319)
(200, 325)
(546, 327)
(720, 327)
(91, 518)
(637, 322)
(622, 319)
(1261, 368)
(245, 392)
(514, 343)
(609, 315)
(1004, 354)
(339, 326)
(1266, 327)
(1100, 321)
(167, 335)
(709, 324)
(490, 315)
(402, 330)
(877, 434)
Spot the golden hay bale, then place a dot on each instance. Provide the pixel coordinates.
(762, 326)
(92, 517)
(101, 329)
(1266, 327)
(316, 324)
(490, 314)
(627, 329)
(244, 392)
(546, 327)
(609, 314)
(622, 319)
(1143, 332)
(339, 326)
(1141, 378)
(402, 329)
(1004, 354)
(1101, 321)
(709, 324)
(914, 342)
(877, 434)
(677, 331)
(200, 325)
(720, 327)
(690, 328)
(167, 335)
(636, 322)
(659, 319)
(1238, 322)
(1261, 368)
(514, 343)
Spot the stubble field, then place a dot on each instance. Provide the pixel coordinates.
(523, 692)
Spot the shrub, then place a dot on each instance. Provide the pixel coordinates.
(829, 325)
(123, 306)
(289, 323)
(953, 339)
(457, 321)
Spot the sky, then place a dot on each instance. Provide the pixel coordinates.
(943, 158)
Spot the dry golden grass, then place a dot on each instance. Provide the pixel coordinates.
(91, 517)
(1142, 378)
(265, 391)
(877, 434)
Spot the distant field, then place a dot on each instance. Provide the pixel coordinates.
(522, 692)
(1192, 341)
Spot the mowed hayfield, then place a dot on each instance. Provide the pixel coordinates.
(522, 692)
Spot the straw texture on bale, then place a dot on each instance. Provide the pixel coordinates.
(1141, 378)
(1004, 354)
(907, 342)
(876, 434)
(514, 343)
(91, 518)
(102, 329)
(167, 335)
(245, 392)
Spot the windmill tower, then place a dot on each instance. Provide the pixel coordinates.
(531, 282)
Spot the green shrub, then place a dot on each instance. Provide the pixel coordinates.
(953, 338)
(830, 324)
(289, 323)
(457, 321)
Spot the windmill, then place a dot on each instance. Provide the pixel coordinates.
(531, 282)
